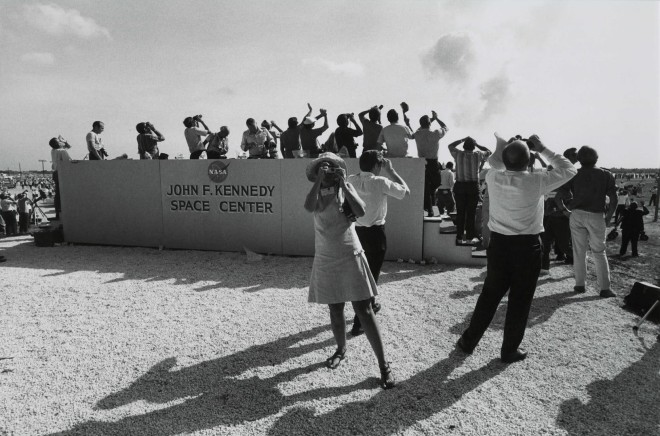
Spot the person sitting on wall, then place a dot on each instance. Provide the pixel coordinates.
(218, 145)
(345, 136)
(194, 135)
(148, 138)
(309, 135)
(371, 127)
(257, 141)
(275, 132)
(394, 138)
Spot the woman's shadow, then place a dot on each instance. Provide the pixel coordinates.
(213, 392)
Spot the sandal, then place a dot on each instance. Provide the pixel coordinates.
(338, 357)
(387, 380)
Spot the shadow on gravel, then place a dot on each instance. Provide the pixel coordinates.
(214, 393)
(542, 310)
(418, 398)
(628, 404)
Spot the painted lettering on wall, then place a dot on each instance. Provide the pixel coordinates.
(181, 201)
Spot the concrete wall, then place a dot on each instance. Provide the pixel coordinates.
(201, 204)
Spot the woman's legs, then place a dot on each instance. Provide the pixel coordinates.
(368, 319)
(338, 324)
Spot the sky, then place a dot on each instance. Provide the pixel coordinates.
(573, 72)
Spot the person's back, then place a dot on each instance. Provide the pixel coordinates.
(633, 218)
(590, 187)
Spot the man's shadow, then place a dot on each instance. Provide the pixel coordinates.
(542, 310)
(214, 392)
(413, 400)
(627, 404)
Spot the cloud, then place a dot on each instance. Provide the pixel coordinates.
(38, 58)
(55, 20)
(453, 56)
(495, 93)
(351, 69)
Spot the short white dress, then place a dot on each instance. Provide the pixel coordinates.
(340, 272)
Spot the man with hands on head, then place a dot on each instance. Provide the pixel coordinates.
(515, 251)
(371, 127)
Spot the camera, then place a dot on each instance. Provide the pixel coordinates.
(197, 117)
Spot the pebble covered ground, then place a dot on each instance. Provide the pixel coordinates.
(103, 340)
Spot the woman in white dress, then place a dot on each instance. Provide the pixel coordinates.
(340, 272)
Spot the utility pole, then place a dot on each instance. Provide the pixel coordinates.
(43, 170)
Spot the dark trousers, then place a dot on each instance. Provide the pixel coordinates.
(629, 236)
(557, 231)
(196, 154)
(431, 183)
(57, 201)
(466, 195)
(212, 154)
(514, 263)
(445, 200)
(23, 221)
(374, 244)
(11, 226)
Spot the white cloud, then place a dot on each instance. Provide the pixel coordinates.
(352, 69)
(38, 58)
(453, 55)
(55, 20)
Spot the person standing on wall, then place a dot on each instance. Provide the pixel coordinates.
(58, 154)
(588, 225)
(376, 181)
(95, 146)
(515, 251)
(466, 188)
(194, 135)
(428, 143)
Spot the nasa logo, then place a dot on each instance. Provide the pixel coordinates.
(218, 171)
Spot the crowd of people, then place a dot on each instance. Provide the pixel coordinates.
(526, 210)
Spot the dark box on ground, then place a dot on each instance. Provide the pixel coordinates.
(640, 299)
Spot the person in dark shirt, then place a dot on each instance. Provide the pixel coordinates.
(345, 136)
(632, 225)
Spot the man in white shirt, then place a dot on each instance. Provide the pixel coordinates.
(374, 189)
(95, 145)
(515, 251)
(395, 136)
(428, 142)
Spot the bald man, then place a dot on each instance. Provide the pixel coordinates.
(515, 251)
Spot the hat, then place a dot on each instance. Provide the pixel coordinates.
(309, 121)
(313, 166)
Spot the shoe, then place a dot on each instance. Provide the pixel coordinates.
(333, 361)
(569, 261)
(560, 257)
(376, 307)
(516, 356)
(461, 345)
(606, 293)
(544, 272)
(357, 329)
(579, 289)
(387, 380)
(635, 255)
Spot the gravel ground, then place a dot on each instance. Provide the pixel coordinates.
(136, 341)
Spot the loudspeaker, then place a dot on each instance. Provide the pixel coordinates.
(641, 298)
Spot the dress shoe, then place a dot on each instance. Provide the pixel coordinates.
(463, 346)
(579, 289)
(516, 356)
(606, 293)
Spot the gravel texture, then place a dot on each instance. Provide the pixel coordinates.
(135, 341)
